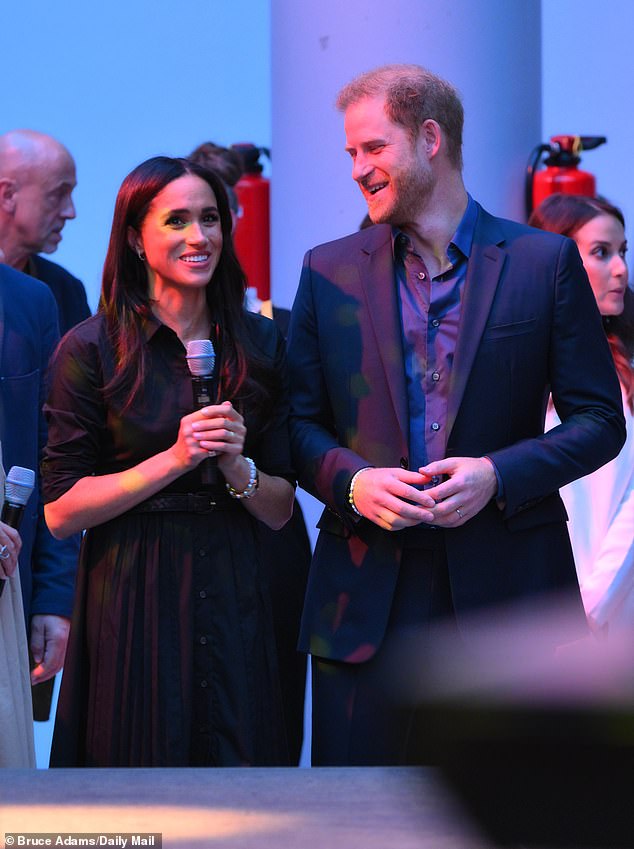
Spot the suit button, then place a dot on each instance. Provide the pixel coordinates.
(404, 463)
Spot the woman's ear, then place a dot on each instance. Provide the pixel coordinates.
(135, 243)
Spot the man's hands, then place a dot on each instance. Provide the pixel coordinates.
(470, 484)
(49, 635)
(390, 499)
(383, 496)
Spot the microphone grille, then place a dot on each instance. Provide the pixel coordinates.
(201, 357)
(18, 485)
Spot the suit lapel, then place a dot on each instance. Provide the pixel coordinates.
(376, 272)
(483, 274)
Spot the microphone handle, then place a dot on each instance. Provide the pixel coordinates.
(203, 392)
(12, 516)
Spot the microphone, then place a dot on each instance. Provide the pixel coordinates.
(201, 360)
(18, 487)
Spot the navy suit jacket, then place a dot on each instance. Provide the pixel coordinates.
(529, 325)
(28, 335)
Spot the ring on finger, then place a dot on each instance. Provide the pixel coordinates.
(4, 552)
(459, 512)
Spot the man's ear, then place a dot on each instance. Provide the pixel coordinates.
(431, 137)
(8, 195)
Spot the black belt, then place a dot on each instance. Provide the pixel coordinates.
(186, 502)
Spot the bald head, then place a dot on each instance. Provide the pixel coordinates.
(37, 177)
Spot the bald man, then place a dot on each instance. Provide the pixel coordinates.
(37, 178)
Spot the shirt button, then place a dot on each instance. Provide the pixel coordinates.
(435, 322)
(435, 426)
(203, 683)
(202, 552)
(203, 594)
(435, 376)
(421, 275)
(203, 641)
(435, 479)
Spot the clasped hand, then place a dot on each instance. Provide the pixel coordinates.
(215, 430)
(391, 499)
(10, 545)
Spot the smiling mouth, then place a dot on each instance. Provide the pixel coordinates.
(373, 190)
(193, 259)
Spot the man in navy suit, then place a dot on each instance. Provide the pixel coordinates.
(28, 335)
(37, 179)
(422, 353)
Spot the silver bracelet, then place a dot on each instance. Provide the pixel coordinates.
(351, 489)
(251, 487)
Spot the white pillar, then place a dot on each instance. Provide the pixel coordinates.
(489, 49)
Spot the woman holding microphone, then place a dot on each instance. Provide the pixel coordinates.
(171, 656)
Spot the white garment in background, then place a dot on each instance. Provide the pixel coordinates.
(601, 511)
(16, 712)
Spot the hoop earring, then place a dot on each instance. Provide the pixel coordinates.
(140, 254)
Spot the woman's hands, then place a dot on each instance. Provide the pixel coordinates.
(220, 429)
(10, 545)
(216, 430)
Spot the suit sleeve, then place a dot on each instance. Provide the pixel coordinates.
(53, 562)
(323, 467)
(585, 392)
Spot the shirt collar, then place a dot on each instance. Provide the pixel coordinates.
(461, 240)
(150, 325)
(463, 237)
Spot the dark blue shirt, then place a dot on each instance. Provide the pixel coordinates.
(430, 317)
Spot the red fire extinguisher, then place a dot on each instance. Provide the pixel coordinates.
(252, 233)
(561, 173)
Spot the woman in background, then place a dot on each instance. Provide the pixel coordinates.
(601, 505)
(171, 660)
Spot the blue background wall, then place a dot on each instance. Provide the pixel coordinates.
(120, 81)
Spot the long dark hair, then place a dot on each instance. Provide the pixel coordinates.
(566, 214)
(125, 299)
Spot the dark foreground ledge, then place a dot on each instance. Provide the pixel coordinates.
(338, 808)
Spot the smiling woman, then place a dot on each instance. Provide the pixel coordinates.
(181, 236)
(601, 505)
(171, 660)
